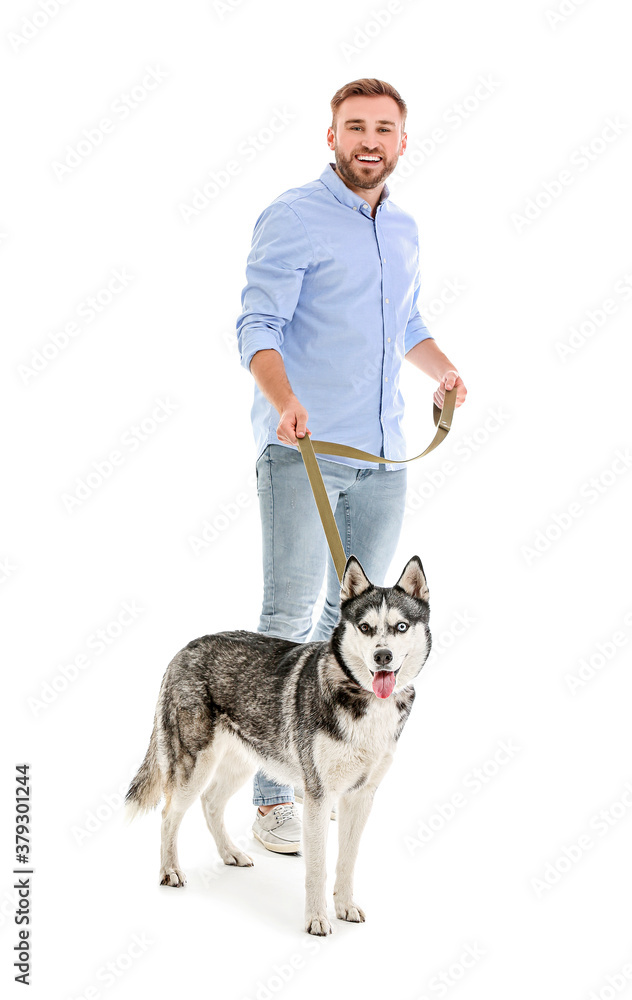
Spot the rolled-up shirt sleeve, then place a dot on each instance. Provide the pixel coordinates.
(416, 329)
(280, 253)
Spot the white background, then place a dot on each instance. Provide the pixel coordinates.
(539, 589)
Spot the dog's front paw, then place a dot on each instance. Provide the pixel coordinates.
(172, 876)
(233, 856)
(317, 923)
(349, 911)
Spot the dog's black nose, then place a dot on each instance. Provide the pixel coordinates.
(382, 657)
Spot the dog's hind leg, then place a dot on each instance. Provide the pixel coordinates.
(232, 771)
(170, 871)
(178, 798)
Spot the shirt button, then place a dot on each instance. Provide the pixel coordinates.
(355, 208)
(365, 206)
(389, 339)
(387, 378)
(386, 300)
(384, 260)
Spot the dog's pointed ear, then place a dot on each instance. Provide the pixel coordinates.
(413, 580)
(354, 580)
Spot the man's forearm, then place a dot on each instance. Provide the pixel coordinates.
(429, 359)
(269, 373)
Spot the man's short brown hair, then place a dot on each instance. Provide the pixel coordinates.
(369, 87)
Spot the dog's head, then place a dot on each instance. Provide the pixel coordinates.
(382, 639)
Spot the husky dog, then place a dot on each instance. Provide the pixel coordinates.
(324, 714)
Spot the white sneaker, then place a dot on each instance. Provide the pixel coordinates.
(298, 796)
(279, 830)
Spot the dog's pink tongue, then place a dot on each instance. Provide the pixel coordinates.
(383, 682)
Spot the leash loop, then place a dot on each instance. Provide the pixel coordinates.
(308, 448)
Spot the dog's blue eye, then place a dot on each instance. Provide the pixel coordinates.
(402, 626)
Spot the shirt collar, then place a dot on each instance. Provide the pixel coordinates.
(344, 194)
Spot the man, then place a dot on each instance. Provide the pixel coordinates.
(328, 313)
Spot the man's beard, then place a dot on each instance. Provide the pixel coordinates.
(351, 171)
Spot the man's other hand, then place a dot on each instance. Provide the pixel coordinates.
(450, 380)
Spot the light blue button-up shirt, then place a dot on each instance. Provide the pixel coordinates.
(334, 291)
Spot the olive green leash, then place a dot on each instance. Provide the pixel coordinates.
(308, 448)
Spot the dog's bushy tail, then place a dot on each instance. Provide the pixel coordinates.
(145, 790)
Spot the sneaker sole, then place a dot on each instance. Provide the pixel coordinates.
(278, 848)
(299, 798)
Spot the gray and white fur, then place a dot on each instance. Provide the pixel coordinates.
(326, 715)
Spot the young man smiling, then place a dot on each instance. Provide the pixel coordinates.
(329, 312)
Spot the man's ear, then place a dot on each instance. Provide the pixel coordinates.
(413, 580)
(354, 580)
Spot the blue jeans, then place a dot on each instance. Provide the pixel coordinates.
(369, 510)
